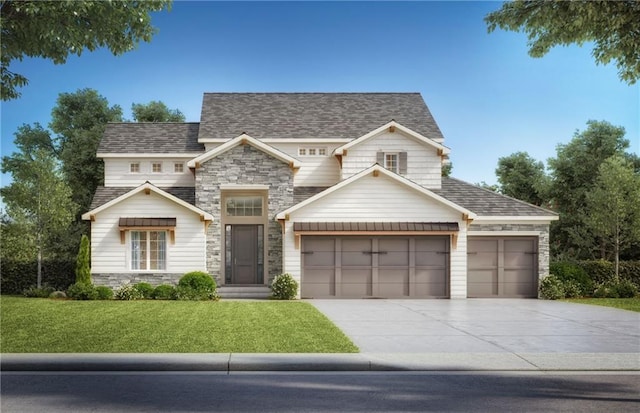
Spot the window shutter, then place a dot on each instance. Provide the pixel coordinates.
(380, 158)
(403, 163)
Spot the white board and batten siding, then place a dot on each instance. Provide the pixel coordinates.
(110, 256)
(117, 172)
(379, 199)
(424, 166)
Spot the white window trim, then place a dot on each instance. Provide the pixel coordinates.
(397, 166)
(161, 167)
(130, 250)
(174, 167)
(131, 167)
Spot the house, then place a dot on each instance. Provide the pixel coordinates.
(342, 190)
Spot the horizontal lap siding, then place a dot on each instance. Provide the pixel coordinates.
(423, 163)
(109, 255)
(315, 170)
(117, 173)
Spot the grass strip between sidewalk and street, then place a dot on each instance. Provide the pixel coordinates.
(631, 304)
(32, 325)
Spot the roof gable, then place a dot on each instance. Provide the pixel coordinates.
(147, 188)
(377, 170)
(393, 126)
(244, 139)
(311, 115)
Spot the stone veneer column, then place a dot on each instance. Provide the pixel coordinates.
(244, 165)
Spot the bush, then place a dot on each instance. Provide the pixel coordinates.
(600, 271)
(35, 292)
(284, 287)
(58, 295)
(626, 289)
(606, 290)
(83, 271)
(82, 291)
(630, 270)
(104, 293)
(574, 278)
(145, 289)
(196, 285)
(16, 276)
(164, 292)
(128, 292)
(551, 288)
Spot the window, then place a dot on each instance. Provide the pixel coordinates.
(391, 162)
(156, 167)
(178, 167)
(312, 151)
(134, 167)
(148, 250)
(244, 206)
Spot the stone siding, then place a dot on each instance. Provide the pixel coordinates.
(116, 280)
(244, 165)
(543, 240)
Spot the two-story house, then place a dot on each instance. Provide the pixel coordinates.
(342, 190)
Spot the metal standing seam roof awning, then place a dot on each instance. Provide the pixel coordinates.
(375, 228)
(126, 224)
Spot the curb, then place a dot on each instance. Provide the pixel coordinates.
(381, 362)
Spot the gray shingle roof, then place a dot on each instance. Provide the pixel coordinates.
(375, 226)
(484, 202)
(311, 115)
(106, 194)
(150, 138)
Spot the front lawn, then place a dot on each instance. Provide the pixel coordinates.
(631, 304)
(31, 325)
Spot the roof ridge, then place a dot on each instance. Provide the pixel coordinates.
(312, 93)
(152, 123)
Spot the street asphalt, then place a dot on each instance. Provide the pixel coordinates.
(416, 335)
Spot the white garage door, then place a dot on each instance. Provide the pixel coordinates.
(502, 267)
(382, 266)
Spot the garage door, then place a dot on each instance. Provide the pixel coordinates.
(385, 266)
(502, 267)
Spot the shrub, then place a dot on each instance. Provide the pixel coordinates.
(606, 290)
(600, 271)
(35, 292)
(574, 278)
(104, 293)
(82, 291)
(626, 289)
(128, 292)
(630, 270)
(83, 271)
(196, 285)
(58, 295)
(284, 287)
(145, 289)
(164, 292)
(551, 288)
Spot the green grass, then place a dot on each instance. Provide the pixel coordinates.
(31, 325)
(631, 304)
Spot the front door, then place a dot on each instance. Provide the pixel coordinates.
(245, 254)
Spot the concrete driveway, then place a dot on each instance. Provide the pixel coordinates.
(484, 326)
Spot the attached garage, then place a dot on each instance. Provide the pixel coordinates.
(502, 267)
(375, 266)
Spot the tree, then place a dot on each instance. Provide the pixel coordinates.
(573, 174)
(484, 185)
(522, 177)
(55, 29)
(155, 111)
(613, 205)
(38, 200)
(79, 120)
(613, 26)
(83, 270)
(446, 169)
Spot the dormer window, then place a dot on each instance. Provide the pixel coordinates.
(156, 167)
(134, 167)
(312, 151)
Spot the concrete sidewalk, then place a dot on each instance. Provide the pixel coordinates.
(237, 362)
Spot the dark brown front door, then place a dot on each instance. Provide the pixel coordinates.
(244, 254)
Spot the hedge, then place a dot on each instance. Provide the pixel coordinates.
(602, 271)
(16, 276)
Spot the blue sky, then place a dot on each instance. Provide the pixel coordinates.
(488, 96)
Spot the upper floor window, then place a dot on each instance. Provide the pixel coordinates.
(134, 167)
(391, 162)
(178, 167)
(244, 206)
(156, 167)
(312, 151)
